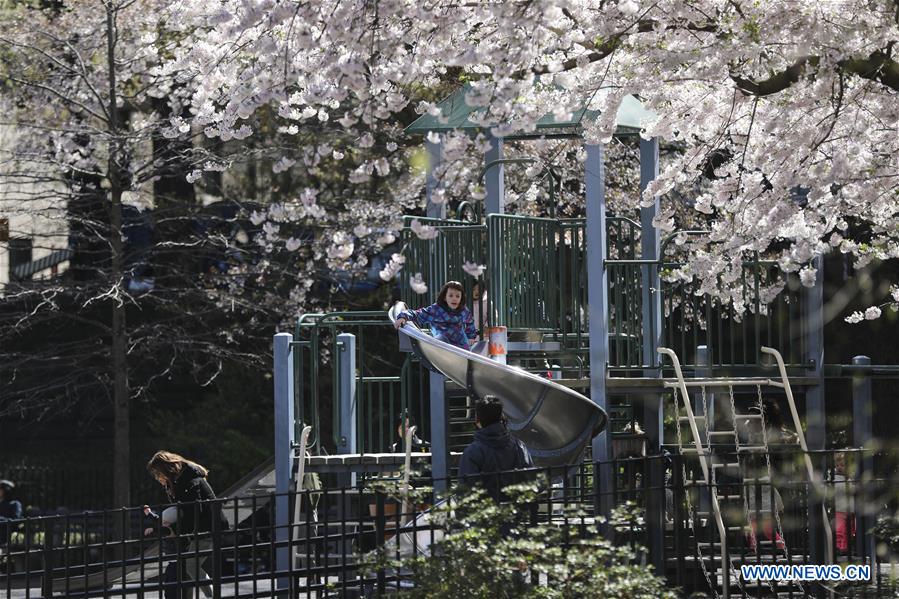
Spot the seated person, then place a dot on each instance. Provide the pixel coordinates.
(399, 446)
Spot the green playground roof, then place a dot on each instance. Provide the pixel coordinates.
(455, 112)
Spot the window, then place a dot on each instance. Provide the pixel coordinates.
(19, 254)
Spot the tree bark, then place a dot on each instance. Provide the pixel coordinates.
(121, 394)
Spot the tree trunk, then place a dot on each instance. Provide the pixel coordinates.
(121, 395)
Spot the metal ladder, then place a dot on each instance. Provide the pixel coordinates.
(732, 476)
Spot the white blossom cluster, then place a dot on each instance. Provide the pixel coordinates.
(798, 99)
(784, 114)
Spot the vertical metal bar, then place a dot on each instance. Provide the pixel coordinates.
(813, 336)
(494, 177)
(284, 439)
(439, 432)
(597, 289)
(862, 435)
(435, 155)
(47, 573)
(346, 365)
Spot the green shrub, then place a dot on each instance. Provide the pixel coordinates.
(490, 550)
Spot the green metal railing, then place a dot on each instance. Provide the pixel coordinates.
(523, 272)
(538, 282)
(733, 339)
(440, 259)
(388, 383)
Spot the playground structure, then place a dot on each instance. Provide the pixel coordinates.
(586, 304)
(583, 301)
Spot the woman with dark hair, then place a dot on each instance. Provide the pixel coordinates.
(448, 318)
(185, 482)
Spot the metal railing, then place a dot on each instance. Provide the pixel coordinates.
(388, 383)
(538, 283)
(328, 549)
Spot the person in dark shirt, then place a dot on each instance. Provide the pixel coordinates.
(10, 509)
(185, 483)
(418, 445)
(494, 455)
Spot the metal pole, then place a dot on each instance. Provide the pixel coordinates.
(346, 372)
(653, 409)
(862, 435)
(813, 343)
(598, 303)
(435, 156)
(284, 437)
(495, 181)
(704, 370)
(439, 433)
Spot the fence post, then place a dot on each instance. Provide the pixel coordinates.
(439, 433)
(47, 547)
(284, 437)
(346, 366)
(862, 434)
(598, 304)
(217, 549)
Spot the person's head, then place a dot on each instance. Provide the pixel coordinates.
(839, 462)
(166, 467)
(771, 411)
(6, 487)
(488, 410)
(479, 289)
(452, 294)
(403, 424)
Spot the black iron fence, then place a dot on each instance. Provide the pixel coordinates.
(353, 541)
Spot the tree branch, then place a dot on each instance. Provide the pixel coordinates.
(876, 67)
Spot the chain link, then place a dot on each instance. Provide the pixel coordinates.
(690, 519)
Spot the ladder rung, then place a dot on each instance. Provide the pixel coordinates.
(722, 433)
(687, 418)
(752, 481)
(729, 497)
(748, 416)
(729, 465)
(753, 449)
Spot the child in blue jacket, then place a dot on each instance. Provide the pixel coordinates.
(448, 318)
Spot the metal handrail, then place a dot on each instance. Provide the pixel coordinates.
(797, 423)
(703, 463)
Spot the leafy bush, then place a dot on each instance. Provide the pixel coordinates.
(489, 550)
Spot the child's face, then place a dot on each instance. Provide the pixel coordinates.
(476, 291)
(453, 298)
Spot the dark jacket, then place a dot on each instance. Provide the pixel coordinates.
(192, 489)
(494, 450)
(418, 446)
(10, 509)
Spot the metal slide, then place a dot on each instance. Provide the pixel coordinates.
(553, 421)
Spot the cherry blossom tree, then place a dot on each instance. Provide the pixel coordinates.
(150, 282)
(785, 113)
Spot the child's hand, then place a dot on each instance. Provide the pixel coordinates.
(399, 323)
(148, 531)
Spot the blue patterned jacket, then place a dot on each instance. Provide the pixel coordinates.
(455, 327)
